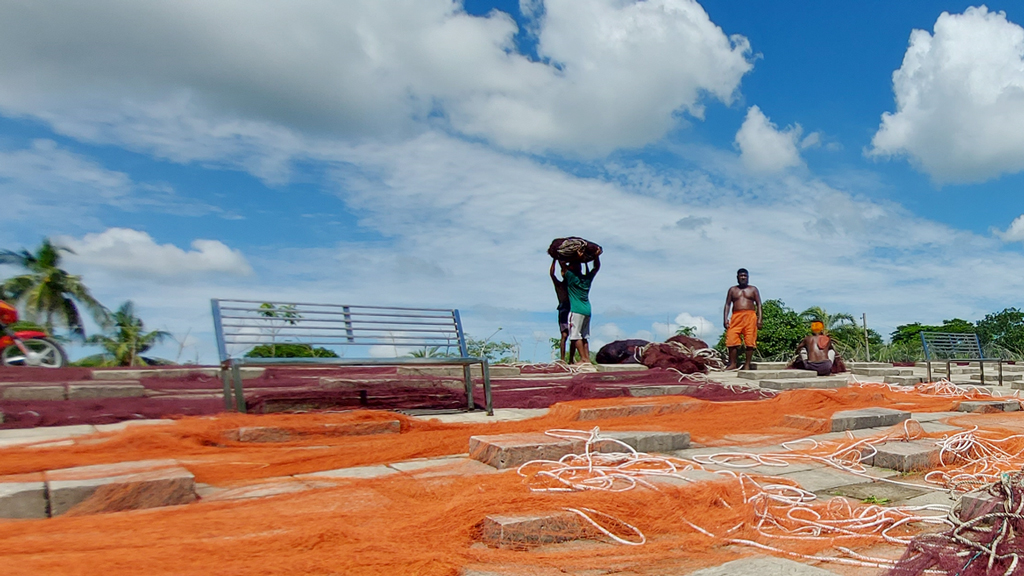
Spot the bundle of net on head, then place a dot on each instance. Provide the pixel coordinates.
(574, 249)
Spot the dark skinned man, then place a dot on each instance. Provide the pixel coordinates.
(745, 302)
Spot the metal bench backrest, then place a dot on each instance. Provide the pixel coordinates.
(951, 346)
(349, 331)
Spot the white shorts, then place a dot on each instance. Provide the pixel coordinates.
(579, 326)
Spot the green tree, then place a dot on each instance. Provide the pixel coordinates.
(127, 338)
(280, 316)
(47, 293)
(832, 322)
(690, 331)
(1003, 330)
(781, 331)
(496, 352)
(290, 350)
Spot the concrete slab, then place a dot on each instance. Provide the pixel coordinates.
(105, 390)
(650, 442)
(689, 477)
(669, 390)
(934, 416)
(867, 418)
(493, 370)
(23, 496)
(33, 392)
(775, 374)
(882, 371)
(353, 472)
(903, 380)
(447, 466)
(855, 364)
(247, 373)
(258, 434)
(122, 486)
(763, 566)
(512, 450)
(802, 382)
(119, 426)
(528, 530)
(820, 479)
(931, 498)
(802, 422)
(46, 432)
(636, 409)
(987, 406)
(621, 367)
(906, 456)
(979, 503)
(878, 492)
(263, 490)
(769, 365)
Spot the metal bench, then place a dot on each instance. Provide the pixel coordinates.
(388, 332)
(956, 347)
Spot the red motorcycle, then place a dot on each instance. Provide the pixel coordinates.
(27, 347)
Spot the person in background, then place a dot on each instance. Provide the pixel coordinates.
(745, 301)
(562, 292)
(816, 350)
(578, 285)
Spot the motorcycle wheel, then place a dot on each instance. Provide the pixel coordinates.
(50, 354)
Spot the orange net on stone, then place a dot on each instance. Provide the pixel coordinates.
(412, 523)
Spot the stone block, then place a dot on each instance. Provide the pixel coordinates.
(904, 380)
(628, 410)
(263, 490)
(258, 434)
(33, 392)
(23, 496)
(353, 472)
(115, 487)
(816, 382)
(621, 367)
(987, 406)
(688, 477)
(979, 503)
(763, 566)
(668, 390)
(852, 365)
(768, 365)
(775, 374)
(512, 450)
(528, 530)
(105, 390)
(801, 422)
(867, 418)
(445, 466)
(916, 455)
(650, 442)
(493, 370)
(993, 378)
(876, 372)
(819, 479)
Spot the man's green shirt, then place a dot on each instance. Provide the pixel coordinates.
(579, 291)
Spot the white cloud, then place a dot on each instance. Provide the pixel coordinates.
(1015, 233)
(959, 99)
(132, 252)
(178, 77)
(764, 148)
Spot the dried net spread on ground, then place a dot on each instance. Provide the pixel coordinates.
(430, 524)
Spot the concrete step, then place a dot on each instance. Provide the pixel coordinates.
(248, 372)
(992, 378)
(867, 418)
(916, 455)
(815, 382)
(77, 390)
(621, 367)
(775, 374)
(986, 406)
(852, 365)
(763, 566)
(667, 390)
(769, 365)
(890, 371)
(903, 380)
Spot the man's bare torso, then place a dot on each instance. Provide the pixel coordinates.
(816, 353)
(743, 298)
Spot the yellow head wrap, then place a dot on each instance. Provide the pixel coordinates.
(817, 326)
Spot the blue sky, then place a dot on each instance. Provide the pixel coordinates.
(425, 153)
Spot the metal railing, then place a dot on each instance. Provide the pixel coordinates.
(383, 335)
(956, 347)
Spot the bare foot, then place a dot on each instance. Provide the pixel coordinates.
(731, 367)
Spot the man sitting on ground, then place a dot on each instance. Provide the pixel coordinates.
(816, 351)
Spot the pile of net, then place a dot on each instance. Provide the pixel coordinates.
(987, 537)
(681, 353)
(573, 249)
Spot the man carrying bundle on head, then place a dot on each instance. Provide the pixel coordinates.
(577, 283)
(816, 352)
(562, 292)
(745, 302)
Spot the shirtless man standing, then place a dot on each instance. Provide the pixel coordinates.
(745, 301)
(816, 350)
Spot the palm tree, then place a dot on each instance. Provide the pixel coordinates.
(128, 337)
(831, 321)
(47, 292)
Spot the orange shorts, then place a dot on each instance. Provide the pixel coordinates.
(742, 322)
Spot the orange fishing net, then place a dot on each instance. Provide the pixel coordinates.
(418, 523)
